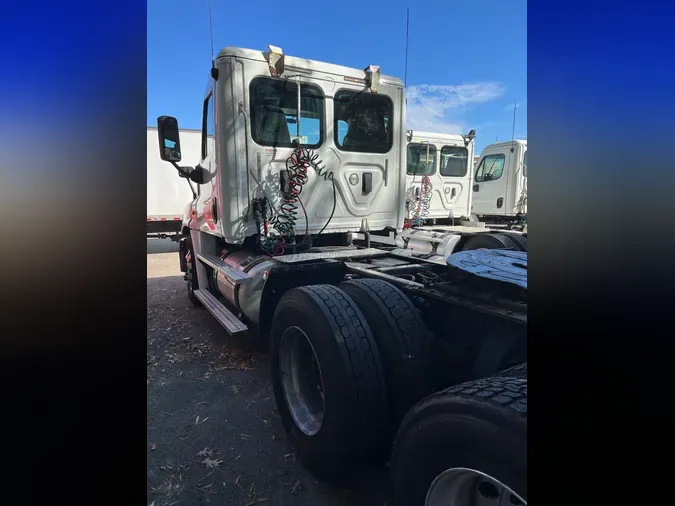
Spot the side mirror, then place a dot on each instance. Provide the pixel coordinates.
(169, 139)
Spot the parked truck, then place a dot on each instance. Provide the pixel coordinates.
(167, 194)
(301, 161)
(439, 172)
(442, 191)
(500, 183)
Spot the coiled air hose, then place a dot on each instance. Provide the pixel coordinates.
(423, 203)
(283, 223)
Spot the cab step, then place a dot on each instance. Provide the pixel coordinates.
(225, 317)
(234, 276)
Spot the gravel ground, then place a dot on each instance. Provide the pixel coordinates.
(214, 435)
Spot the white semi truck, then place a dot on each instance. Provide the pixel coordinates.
(167, 194)
(301, 161)
(500, 182)
(439, 172)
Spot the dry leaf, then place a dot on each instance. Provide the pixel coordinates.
(212, 463)
(206, 452)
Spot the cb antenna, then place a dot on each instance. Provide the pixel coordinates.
(407, 25)
(214, 70)
(513, 132)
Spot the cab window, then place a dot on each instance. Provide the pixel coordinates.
(454, 161)
(421, 159)
(362, 122)
(274, 113)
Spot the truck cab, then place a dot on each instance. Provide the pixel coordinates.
(258, 107)
(500, 181)
(438, 176)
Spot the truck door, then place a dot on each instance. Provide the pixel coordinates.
(454, 190)
(207, 205)
(489, 186)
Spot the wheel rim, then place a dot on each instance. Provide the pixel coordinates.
(467, 487)
(301, 380)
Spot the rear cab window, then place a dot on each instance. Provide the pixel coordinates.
(274, 119)
(454, 161)
(363, 122)
(421, 159)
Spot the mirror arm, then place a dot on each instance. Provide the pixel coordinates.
(187, 178)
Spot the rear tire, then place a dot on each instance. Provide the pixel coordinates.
(339, 431)
(491, 241)
(519, 239)
(404, 342)
(480, 426)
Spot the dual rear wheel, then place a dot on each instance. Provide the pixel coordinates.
(348, 364)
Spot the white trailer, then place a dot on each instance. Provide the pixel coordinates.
(500, 182)
(438, 177)
(167, 194)
(357, 334)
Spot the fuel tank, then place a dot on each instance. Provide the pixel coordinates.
(245, 297)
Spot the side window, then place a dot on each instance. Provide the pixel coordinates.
(274, 113)
(525, 162)
(454, 161)
(421, 159)
(208, 126)
(367, 118)
(491, 167)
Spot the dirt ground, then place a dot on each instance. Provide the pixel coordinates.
(214, 435)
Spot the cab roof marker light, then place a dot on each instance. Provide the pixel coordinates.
(372, 77)
(275, 60)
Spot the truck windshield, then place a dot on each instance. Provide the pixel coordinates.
(418, 162)
(274, 113)
(363, 122)
(454, 161)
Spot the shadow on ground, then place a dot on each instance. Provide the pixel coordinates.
(214, 435)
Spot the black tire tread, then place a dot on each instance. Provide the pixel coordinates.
(508, 394)
(410, 338)
(505, 394)
(498, 401)
(485, 237)
(517, 371)
(519, 239)
(508, 241)
(358, 341)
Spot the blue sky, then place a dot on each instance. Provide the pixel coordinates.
(467, 61)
